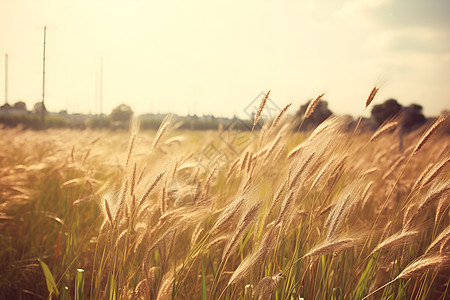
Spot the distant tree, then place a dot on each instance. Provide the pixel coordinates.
(20, 105)
(409, 118)
(412, 117)
(38, 107)
(320, 114)
(386, 110)
(121, 116)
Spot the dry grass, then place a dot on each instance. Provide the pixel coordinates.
(325, 216)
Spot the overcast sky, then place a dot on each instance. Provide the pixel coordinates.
(216, 56)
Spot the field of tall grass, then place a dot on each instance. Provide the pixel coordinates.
(332, 214)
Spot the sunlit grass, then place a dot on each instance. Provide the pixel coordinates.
(110, 215)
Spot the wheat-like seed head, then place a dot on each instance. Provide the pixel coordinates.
(244, 225)
(439, 168)
(440, 240)
(421, 178)
(396, 240)
(151, 187)
(280, 115)
(108, 212)
(296, 178)
(312, 105)
(442, 118)
(443, 191)
(244, 161)
(371, 96)
(424, 263)
(383, 129)
(130, 149)
(260, 109)
(266, 287)
(331, 246)
(232, 210)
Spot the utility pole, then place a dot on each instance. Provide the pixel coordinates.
(96, 106)
(101, 86)
(6, 78)
(43, 82)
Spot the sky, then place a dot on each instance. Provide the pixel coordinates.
(216, 57)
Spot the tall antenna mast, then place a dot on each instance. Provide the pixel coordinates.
(96, 107)
(43, 68)
(101, 86)
(6, 78)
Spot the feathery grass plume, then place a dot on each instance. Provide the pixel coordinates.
(326, 210)
(244, 225)
(366, 190)
(371, 96)
(230, 171)
(394, 167)
(296, 150)
(198, 192)
(443, 191)
(297, 175)
(441, 240)
(194, 180)
(151, 187)
(130, 149)
(260, 109)
(108, 213)
(280, 115)
(417, 267)
(383, 129)
(329, 123)
(122, 202)
(210, 176)
(244, 161)
(208, 183)
(425, 263)
(337, 215)
(370, 171)
(331, 246)
(167, 124)
(277, 198)
(258, 257)
(366, 195)
(280, 152)
(229, 213)
(133, 180)
(141, 175)
(338, 167)
(408, 216)
(442, 118)
(396, 240)
(245, 267)
(421, 178)
(436, 172)
(321, 174)
(272, 148)
(442, 206)
(312, 105)
(284, 208)
(249, 162)
(266, 287)
(162, 203)
(197, 231)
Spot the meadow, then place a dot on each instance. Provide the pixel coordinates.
(335, 213)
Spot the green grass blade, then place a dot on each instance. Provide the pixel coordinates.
(203, 282)
(51, 285)
(79, 285)
(64, 293)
